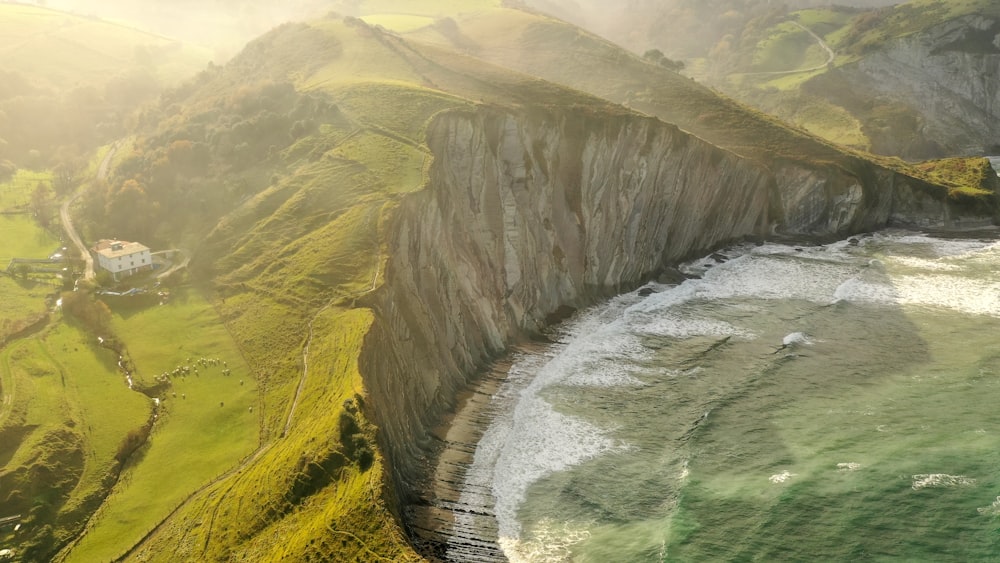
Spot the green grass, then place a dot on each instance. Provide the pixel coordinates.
(962, 176)
(362, 58)
(789, 82)
(203, 431)
(412, 107)
(107, 408)
(823, 22)
(331, 509)
(400, 166)
(15, 194)
(21, 302)
(23, 238)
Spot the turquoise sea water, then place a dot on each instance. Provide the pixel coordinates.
(792, 403)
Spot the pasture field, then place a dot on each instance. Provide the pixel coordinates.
(23, 238)
(206, 418)
(15, 193)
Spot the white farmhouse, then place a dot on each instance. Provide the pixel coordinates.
(123, 258)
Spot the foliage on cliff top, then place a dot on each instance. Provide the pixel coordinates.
(962, 176)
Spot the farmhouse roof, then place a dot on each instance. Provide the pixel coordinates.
(116, 248)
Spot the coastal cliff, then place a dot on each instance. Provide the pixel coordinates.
(530, 211)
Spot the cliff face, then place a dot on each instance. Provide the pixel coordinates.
(529, 211)
(949, 75)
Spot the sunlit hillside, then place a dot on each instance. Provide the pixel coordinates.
(243, 429)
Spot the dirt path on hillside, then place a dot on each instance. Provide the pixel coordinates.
(830, 56)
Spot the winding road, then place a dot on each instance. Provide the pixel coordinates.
(67, 221)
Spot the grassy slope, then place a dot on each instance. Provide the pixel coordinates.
(22, 301)
(39, 42)
(291, 257)
(787, 47)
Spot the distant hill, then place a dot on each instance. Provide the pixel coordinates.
(220, 26)
(683, 29)
(67, 82)
(914, 79)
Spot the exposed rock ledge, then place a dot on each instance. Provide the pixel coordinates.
(530, 210)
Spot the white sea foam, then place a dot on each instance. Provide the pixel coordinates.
(550, 542)
(936, 265)
(796, 339)
(781, 477)
(768, 273)
(925, 480)
(529, 439)
(863, 291)
(848, 466)
(967, 295)
(936, 247)
(992, 510)
(681, 327)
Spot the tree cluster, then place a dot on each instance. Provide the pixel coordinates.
(656, 56)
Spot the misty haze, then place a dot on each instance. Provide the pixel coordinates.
(499, 280)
